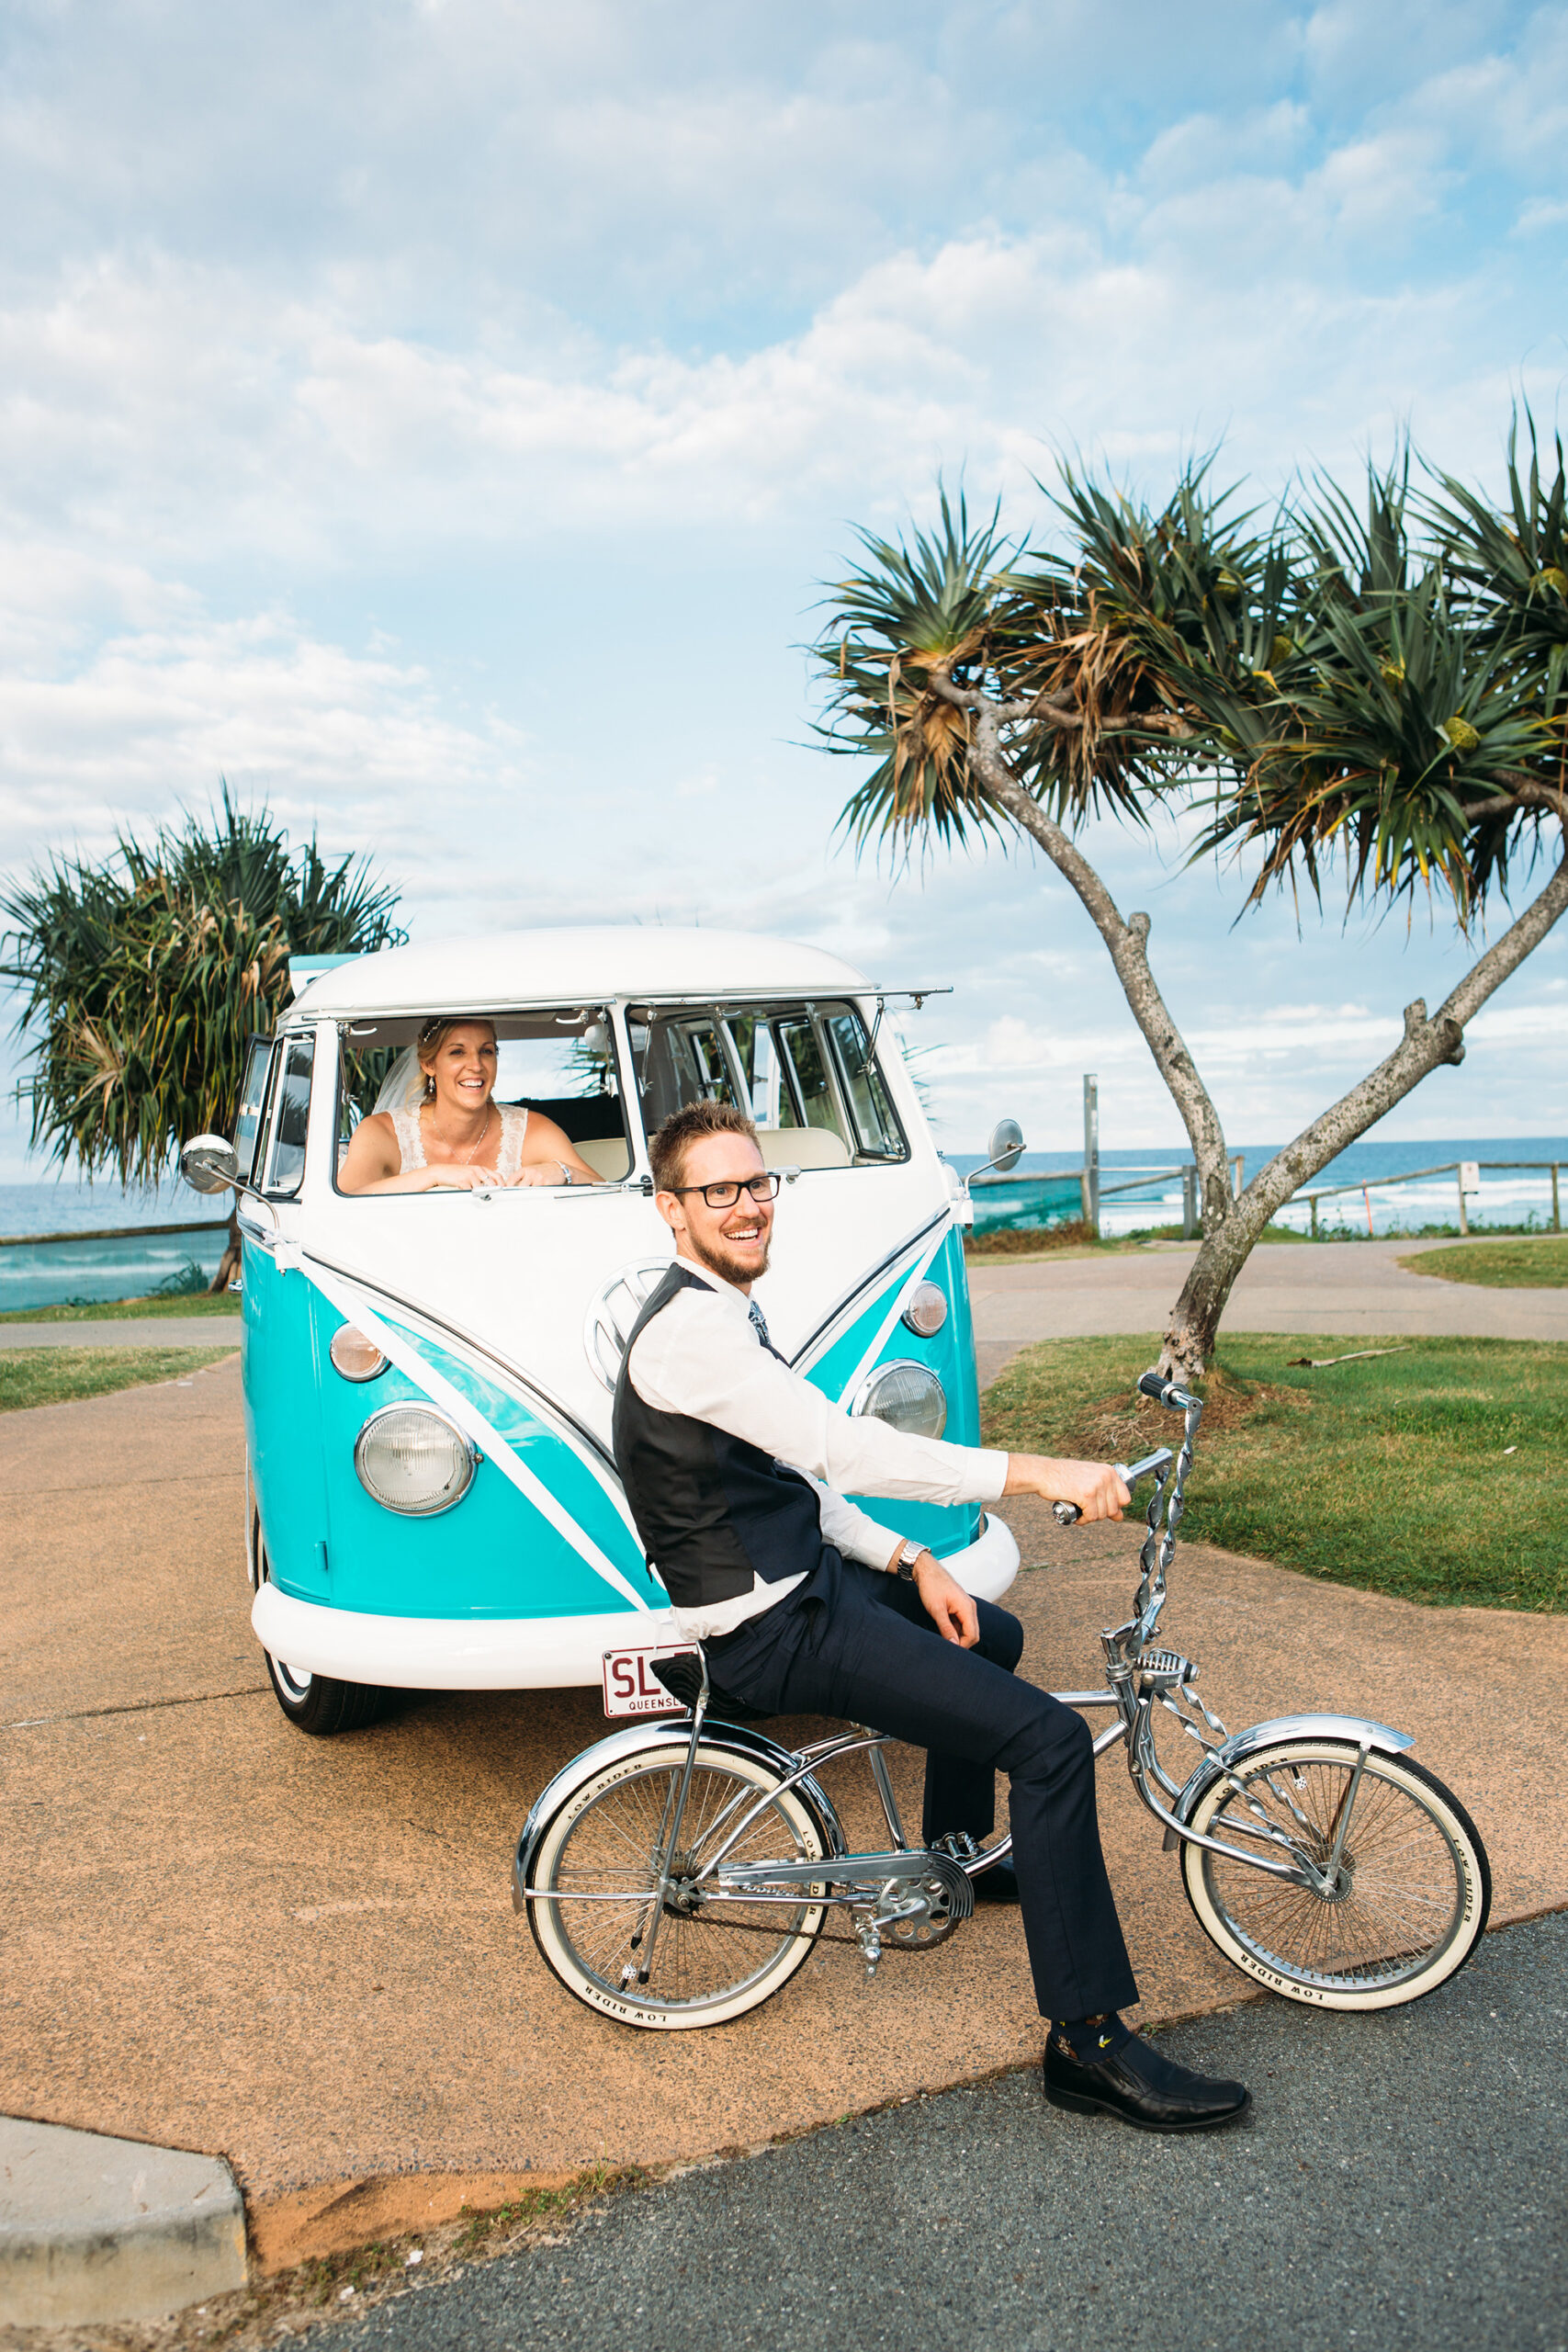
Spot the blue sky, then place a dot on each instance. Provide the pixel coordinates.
(436, 419)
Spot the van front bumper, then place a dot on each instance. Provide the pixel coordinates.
(514, 1653)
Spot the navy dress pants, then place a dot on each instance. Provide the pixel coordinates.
(856, 1643)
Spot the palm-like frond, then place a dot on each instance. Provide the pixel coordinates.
(1380, 754)
(905, 612)
(1359, 681)
(141, 978)
(1511, 568)
(1165, 630)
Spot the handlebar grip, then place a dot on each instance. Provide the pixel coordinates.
(1151, 1385)
(1065, 1514)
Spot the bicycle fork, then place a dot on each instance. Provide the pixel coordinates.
(637, 1972)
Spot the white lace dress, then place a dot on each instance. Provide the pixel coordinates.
(508, 1161)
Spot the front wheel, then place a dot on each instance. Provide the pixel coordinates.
(1411, 1895)
(316, 1704)
(603, 1854)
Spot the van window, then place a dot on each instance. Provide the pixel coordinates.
(681, 1060)
(253, 1101)
(561, 1064)
(290, 1116)
(877, 1130)
(813, 1088)
(800, 1071)
(761, 1067)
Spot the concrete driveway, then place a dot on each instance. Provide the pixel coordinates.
(223, 1936)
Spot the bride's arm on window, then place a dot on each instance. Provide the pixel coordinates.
(374, 1164)
(548, 1153)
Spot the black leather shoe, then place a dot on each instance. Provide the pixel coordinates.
(998, 1885)
(1141, 2088)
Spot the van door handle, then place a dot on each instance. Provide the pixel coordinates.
(257, 1220)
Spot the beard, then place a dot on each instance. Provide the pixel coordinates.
(728, 1264)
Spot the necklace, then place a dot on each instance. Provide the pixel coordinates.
(484, 1131)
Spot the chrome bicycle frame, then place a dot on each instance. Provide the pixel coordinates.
(903, 1882)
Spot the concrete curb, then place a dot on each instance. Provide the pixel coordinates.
(98, 2229)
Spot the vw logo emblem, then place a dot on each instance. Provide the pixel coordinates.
(608, 1324)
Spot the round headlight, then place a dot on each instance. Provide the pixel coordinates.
(412, 1460)
(926, 1310)
(908, 1396)
(353, 1355)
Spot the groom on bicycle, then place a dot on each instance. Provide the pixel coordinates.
(736, 1468)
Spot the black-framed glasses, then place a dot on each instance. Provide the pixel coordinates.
(723, 1196)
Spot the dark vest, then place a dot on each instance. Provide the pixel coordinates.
(713, 1513)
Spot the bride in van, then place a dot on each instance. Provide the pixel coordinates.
(452, 1133)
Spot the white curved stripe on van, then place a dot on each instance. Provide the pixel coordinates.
(474, 1425)
(900, 1294)
(486, 1365)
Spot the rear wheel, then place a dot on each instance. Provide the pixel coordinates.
(1411, 1894)
(316, 1704)
(711, 1961)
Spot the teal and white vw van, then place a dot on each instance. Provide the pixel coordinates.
(431, 1500)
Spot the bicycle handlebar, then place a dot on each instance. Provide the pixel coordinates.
(1167, 1393)
(1068, 1514)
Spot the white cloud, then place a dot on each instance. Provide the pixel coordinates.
(435, 416)
(157, 716)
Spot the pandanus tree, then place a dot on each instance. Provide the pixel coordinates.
(142, 976)
(1372, 688)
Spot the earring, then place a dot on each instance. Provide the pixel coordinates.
(430, 1086)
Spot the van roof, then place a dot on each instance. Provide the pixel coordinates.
(583, 966)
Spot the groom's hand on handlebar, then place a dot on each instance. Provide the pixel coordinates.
(1093, 1487)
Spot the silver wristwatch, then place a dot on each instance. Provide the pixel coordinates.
(908, 1555)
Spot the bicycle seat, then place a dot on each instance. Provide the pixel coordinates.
(683, 1677)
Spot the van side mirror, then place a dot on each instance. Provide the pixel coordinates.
(1006, 1147)
(208, 1165)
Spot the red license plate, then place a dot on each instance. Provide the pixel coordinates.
(631, 1686)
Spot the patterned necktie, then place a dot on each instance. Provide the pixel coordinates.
(758, 1323)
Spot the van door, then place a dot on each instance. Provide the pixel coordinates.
(281, 1380)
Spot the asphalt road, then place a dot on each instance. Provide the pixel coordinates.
(1401, 2182)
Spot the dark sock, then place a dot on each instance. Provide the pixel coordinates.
(1091, 2039)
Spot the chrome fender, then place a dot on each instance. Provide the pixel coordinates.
(1243, 1744)
(730, 1740)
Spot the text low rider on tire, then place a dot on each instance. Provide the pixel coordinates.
(1411, 1889)
(709, 1961)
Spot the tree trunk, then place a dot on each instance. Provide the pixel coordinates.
(228, 1264)
(1427, 1043)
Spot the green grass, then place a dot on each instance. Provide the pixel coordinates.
(120, 1310)
(1500, 1265)
(1389, 1473)
(1025, 1247)
(64, 1375)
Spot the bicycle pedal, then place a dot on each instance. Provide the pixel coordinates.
(1165, 1669)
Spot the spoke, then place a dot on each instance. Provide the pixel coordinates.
(697, 1958)
(1402, 1902)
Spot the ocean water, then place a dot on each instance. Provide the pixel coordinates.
(1508, 1195)
(44, 1274)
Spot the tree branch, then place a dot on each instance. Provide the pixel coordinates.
(1062, 716)
(1426, 1044)
(1128, 942)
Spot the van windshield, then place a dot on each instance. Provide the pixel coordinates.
(560, 1065)
(806, 1073)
